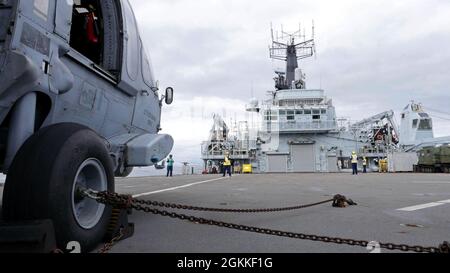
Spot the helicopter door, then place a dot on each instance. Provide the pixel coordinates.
(86, 32)
(63, 19)
(96, 33)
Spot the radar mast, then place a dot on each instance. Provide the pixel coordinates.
(291, 47)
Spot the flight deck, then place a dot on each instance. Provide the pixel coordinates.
(397, 208)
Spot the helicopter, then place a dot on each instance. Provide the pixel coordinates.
(79, 106)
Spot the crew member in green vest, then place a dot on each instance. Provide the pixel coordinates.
(170, 162)
(226, 165)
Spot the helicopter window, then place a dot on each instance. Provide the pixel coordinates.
(146, 69)
(132, 41)
(96, 31)
(86, 33)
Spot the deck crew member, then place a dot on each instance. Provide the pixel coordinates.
(364, 165)
(170, 163)
(226, 165)
(355, 163)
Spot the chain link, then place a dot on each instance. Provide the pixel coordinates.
(125, 201)
(108, 246)
(325, 239)
(338, 201)
(194, 208)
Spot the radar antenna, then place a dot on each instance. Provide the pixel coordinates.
(291, 47)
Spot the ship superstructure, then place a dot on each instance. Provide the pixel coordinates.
(417, 128)
(235, 141)
(299, 130)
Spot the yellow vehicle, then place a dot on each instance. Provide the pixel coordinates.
(247, 168)
(383, 166)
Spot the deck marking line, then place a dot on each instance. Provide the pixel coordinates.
(176, 188)
(425, 206)
(429, 182)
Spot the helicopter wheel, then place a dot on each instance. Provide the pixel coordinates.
(44, 179)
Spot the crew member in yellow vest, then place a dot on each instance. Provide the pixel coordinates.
(226, 165)
(355, 163)
(364, 165)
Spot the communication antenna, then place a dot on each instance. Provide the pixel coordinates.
(314, 38)
(252, 89)
(296, 48)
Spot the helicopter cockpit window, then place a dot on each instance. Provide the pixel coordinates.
(95, 33)
(146, 69)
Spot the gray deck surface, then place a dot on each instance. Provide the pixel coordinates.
(376, 218)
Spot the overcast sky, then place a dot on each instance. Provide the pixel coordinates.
(372, 56)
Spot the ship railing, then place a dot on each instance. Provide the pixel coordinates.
(238, 145)
(303, 126)
(239, 154)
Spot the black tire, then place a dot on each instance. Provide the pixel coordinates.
(126, 172)
(40, 182)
